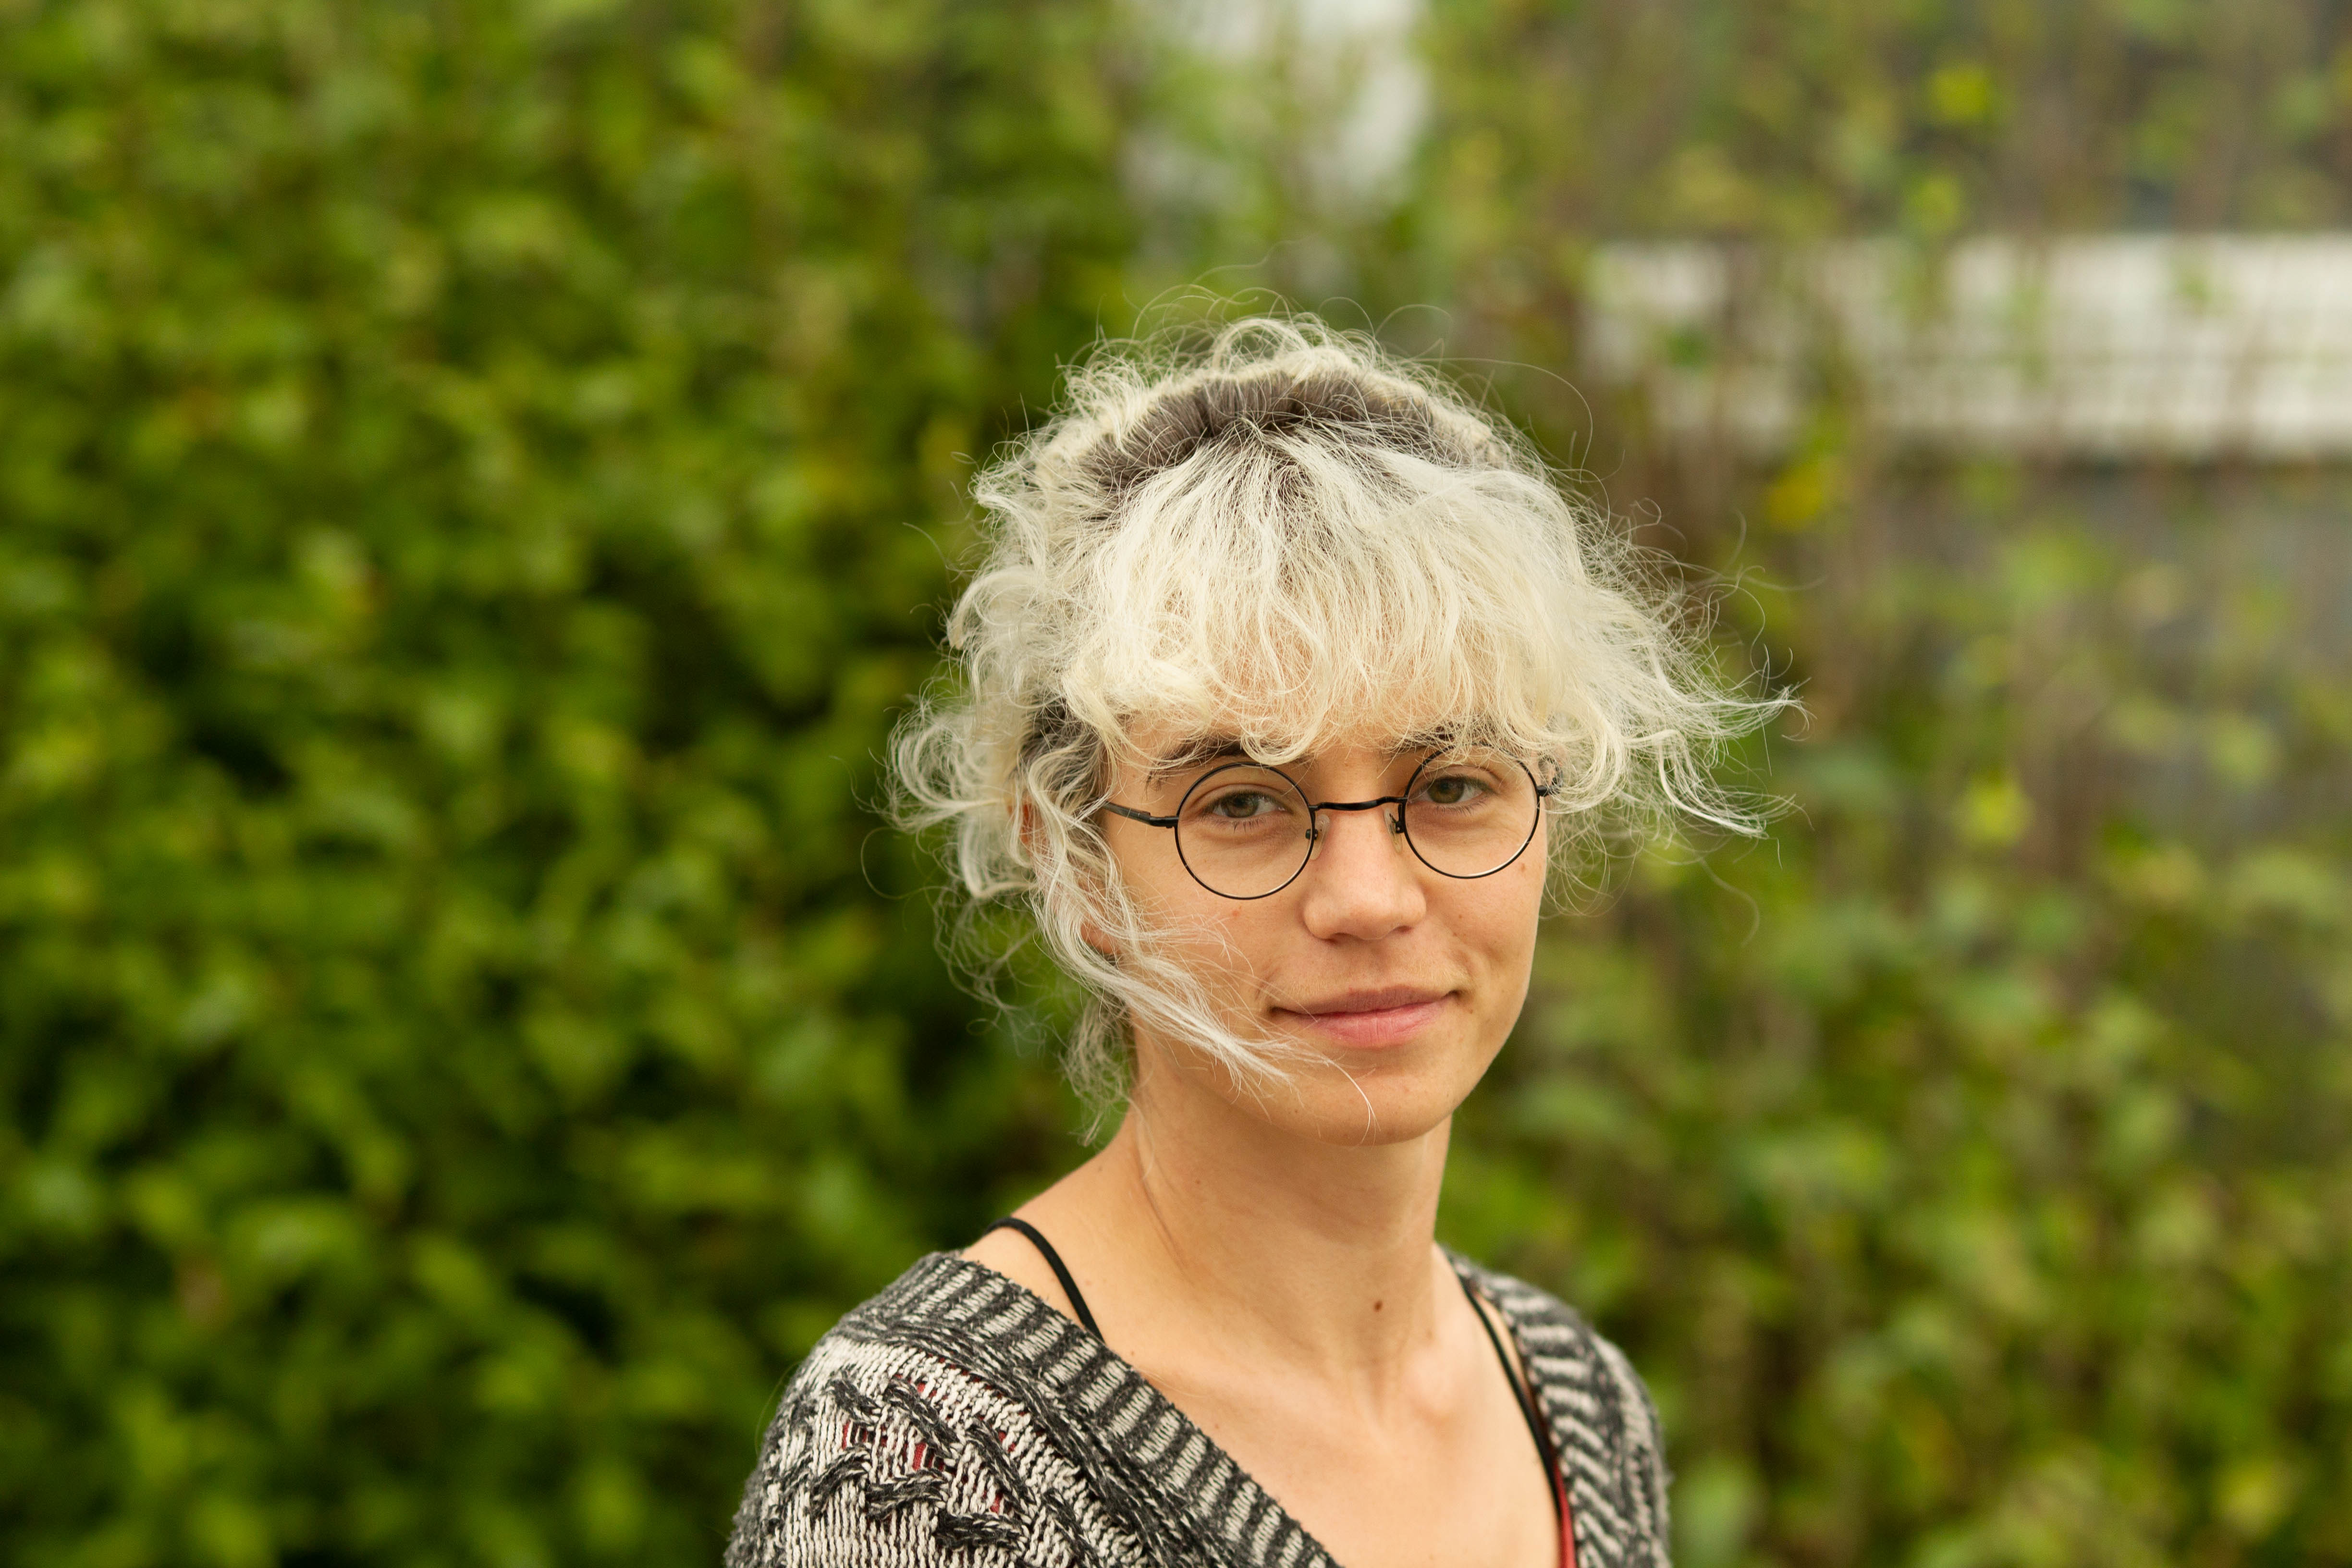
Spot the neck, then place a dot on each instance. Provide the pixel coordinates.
(1322, 1251)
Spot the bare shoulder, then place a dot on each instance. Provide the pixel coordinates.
(1070, 1216)
(1015, 1256)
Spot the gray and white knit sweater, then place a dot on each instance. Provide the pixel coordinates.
(958, 1419)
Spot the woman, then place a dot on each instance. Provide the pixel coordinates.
(1287, 681)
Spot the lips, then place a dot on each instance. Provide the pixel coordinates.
(1389, 1015)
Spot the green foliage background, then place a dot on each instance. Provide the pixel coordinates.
(477, 480)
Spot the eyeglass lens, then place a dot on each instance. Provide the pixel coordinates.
(1246, 831)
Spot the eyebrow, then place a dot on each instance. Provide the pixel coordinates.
(1194, 752)
(1209, 749)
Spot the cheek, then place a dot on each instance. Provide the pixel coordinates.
(1500, 931)
(1509, 907)
(1221, 941)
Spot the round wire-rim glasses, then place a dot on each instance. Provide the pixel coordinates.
(1273, 848)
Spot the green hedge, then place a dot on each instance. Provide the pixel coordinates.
(1969, 1168)
(473, 483)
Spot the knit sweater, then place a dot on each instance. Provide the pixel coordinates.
(958, 1419)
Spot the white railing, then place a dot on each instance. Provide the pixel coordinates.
(2116, 346)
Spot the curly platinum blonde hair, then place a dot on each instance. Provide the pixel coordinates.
(1282, 536)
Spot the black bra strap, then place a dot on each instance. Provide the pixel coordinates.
(1061, 1269)
(1521, 1394)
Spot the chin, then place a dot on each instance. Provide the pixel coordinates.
(1332, 1095)
(1390, 1104)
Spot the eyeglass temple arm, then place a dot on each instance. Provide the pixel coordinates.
(1132, 815)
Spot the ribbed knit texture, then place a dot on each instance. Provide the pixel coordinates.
(957, 1418)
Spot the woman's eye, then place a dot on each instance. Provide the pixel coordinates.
(1454, 789)
(1243, 804)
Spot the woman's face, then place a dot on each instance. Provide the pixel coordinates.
(1398, 984)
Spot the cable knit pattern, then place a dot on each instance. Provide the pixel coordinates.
(958, 1419)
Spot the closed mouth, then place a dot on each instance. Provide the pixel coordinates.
(1372, 1020)
(1387, 1000)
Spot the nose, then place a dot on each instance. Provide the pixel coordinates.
(1363, 882)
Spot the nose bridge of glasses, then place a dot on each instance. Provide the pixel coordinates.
(1315, 810)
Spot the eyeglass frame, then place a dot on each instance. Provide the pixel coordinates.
(1315, 832)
